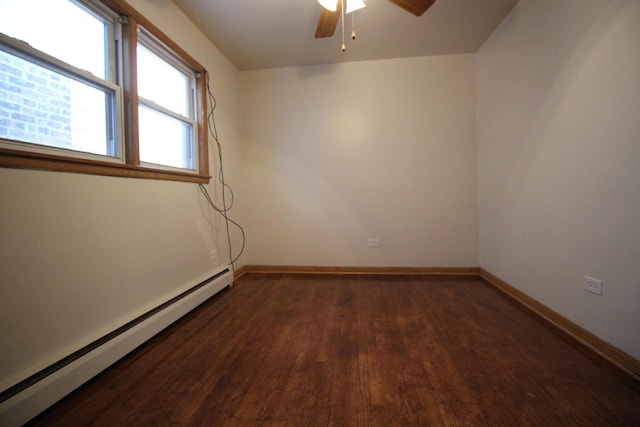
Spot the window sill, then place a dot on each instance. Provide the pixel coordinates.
(28, 160)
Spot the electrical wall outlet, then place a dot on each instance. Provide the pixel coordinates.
(213, 254)
(593, 285)
(374, 243)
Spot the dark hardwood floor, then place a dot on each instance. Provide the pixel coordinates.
(296, 350)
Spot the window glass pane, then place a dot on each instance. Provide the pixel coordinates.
(41, 106)
(59, 28)
(164, 140)
(160, 82)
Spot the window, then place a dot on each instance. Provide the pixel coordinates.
(106, 93)
(166, 106)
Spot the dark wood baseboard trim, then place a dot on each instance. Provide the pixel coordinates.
(299, 269)
(238, 273)
(612, 354)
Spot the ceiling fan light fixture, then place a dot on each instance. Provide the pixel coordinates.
(353, 5)
(331, 5)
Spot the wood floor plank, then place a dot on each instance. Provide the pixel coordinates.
(348, 350)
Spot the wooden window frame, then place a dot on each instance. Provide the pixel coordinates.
(132, 167)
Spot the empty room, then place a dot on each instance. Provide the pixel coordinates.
(310, 213)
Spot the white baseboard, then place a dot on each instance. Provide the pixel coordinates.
(34, 399)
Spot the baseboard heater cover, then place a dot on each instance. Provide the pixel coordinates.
(28, 398)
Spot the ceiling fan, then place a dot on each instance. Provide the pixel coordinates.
(329, 15)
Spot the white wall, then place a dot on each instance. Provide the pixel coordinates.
(558, 93)
(336, 154)
(81, 255)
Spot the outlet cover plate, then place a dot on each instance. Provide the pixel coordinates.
(593, 285)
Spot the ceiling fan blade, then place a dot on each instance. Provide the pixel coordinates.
(328, 22)
(417, 7)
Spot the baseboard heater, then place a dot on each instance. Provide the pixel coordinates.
(25, 400)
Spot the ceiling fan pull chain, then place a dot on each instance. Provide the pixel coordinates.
(353, 25)
(344, 47)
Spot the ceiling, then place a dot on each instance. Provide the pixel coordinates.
(257, 34)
